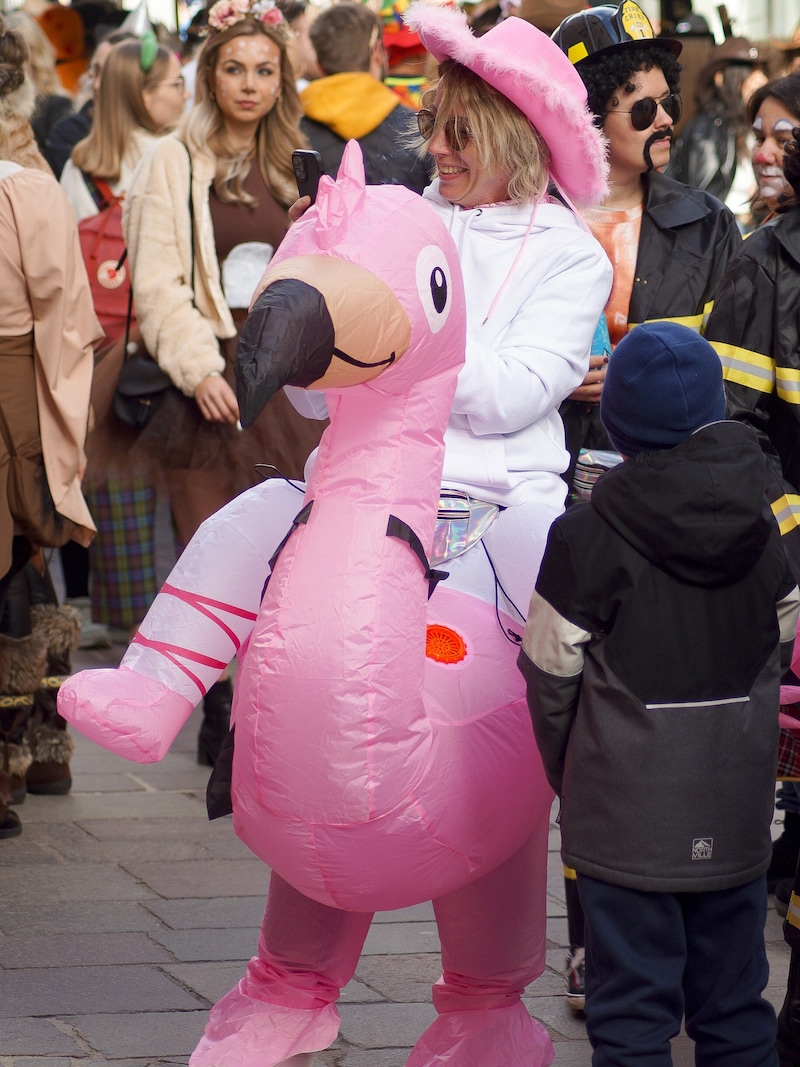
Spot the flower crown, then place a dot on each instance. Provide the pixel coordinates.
(226, 13)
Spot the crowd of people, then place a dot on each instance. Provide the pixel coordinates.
(674, 590)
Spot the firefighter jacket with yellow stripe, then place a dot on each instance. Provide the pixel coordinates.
(755, 328)
(686, 239)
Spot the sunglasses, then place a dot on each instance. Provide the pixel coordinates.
(456, 131)
(644, 111)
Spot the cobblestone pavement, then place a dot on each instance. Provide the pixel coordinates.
(125, 914)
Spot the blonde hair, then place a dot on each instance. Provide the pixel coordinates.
(17, 95)
(41, 54)
(503, 137)
(119, 109)
(277, 134)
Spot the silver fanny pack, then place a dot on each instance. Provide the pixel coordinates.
(461, 521)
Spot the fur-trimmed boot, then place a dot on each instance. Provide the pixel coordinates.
(22, 663)
(216, 722)
(50, 744)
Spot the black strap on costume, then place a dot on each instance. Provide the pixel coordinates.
(403, 532)
(300, 519)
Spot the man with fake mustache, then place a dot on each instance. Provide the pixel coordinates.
(668, 244)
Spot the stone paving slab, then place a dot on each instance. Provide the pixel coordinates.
(70, 882)
(192, 946)
(204, 878)
(90, 990)
(81, 950)
(209, 914)
(75, 917)
(24, 1037)
(144, 1034)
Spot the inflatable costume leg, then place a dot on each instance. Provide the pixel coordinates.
(493, 944)
(285, 1004)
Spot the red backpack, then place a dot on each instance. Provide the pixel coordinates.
(104, 254)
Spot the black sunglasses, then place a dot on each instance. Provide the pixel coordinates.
(644, 111)
(457, 133)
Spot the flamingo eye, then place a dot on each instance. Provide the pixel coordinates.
(434, 286)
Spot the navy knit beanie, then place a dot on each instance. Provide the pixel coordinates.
(663, 382)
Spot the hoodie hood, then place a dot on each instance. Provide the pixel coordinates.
(696, 511)
(351, 104)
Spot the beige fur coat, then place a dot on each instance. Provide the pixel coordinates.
(182, 318)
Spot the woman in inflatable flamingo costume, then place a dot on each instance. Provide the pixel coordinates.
(367, 773)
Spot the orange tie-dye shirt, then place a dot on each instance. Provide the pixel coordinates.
(618, 233)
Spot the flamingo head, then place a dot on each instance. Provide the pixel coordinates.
(366, 285)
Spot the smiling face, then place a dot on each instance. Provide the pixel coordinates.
(462, 179)
(772, 127)
(246, 82)
(632, 152)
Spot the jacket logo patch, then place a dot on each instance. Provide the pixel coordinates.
(702, 847)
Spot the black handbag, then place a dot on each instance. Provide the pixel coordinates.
(143, 386)
(141, 389)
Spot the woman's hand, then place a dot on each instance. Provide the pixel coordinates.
(216, 400)
(299, 208)
(592, 386)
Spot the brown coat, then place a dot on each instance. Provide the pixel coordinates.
(44, 291)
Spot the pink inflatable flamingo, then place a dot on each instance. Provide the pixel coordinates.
(383, 749)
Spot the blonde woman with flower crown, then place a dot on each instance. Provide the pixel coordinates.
(216, 192)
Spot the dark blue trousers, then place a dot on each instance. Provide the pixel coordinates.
(653, 959)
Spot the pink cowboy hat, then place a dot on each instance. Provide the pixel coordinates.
(533, 73)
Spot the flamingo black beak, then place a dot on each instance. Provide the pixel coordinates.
(288, 339)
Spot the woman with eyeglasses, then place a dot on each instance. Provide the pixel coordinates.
(205, 211)
(140, 97)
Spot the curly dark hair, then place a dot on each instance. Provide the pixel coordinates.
(608, 71)
(791, 166)
(13, 53)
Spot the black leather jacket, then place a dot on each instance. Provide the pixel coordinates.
(704, 156)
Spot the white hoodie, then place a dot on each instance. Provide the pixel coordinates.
(527, 353)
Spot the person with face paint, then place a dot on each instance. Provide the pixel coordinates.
(204, 213)
(755, 330)
(668, 244)
(773, 112)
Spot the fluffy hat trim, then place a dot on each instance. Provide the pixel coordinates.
(533, 73)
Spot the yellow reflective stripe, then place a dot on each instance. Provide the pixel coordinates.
(787, 384)
(694, 322)
(751, 369)
(709, 307)
(793, 914)
(786, 510)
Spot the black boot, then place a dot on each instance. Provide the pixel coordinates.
(787, 1044)
(216, 722)
(785, 851)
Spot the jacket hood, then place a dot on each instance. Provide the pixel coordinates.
(505, 220)
(351, 104)
(696, 511)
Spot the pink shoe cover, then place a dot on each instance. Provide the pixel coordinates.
(489, 1037)
(125, 712)
(245, 1032)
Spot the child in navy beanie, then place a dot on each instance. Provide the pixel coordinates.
(663, 383)
(663, 617)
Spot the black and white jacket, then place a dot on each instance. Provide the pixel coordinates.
(652, 655)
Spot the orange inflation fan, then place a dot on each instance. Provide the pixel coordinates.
(444, 645)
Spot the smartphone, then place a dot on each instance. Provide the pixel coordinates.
(307, 166)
